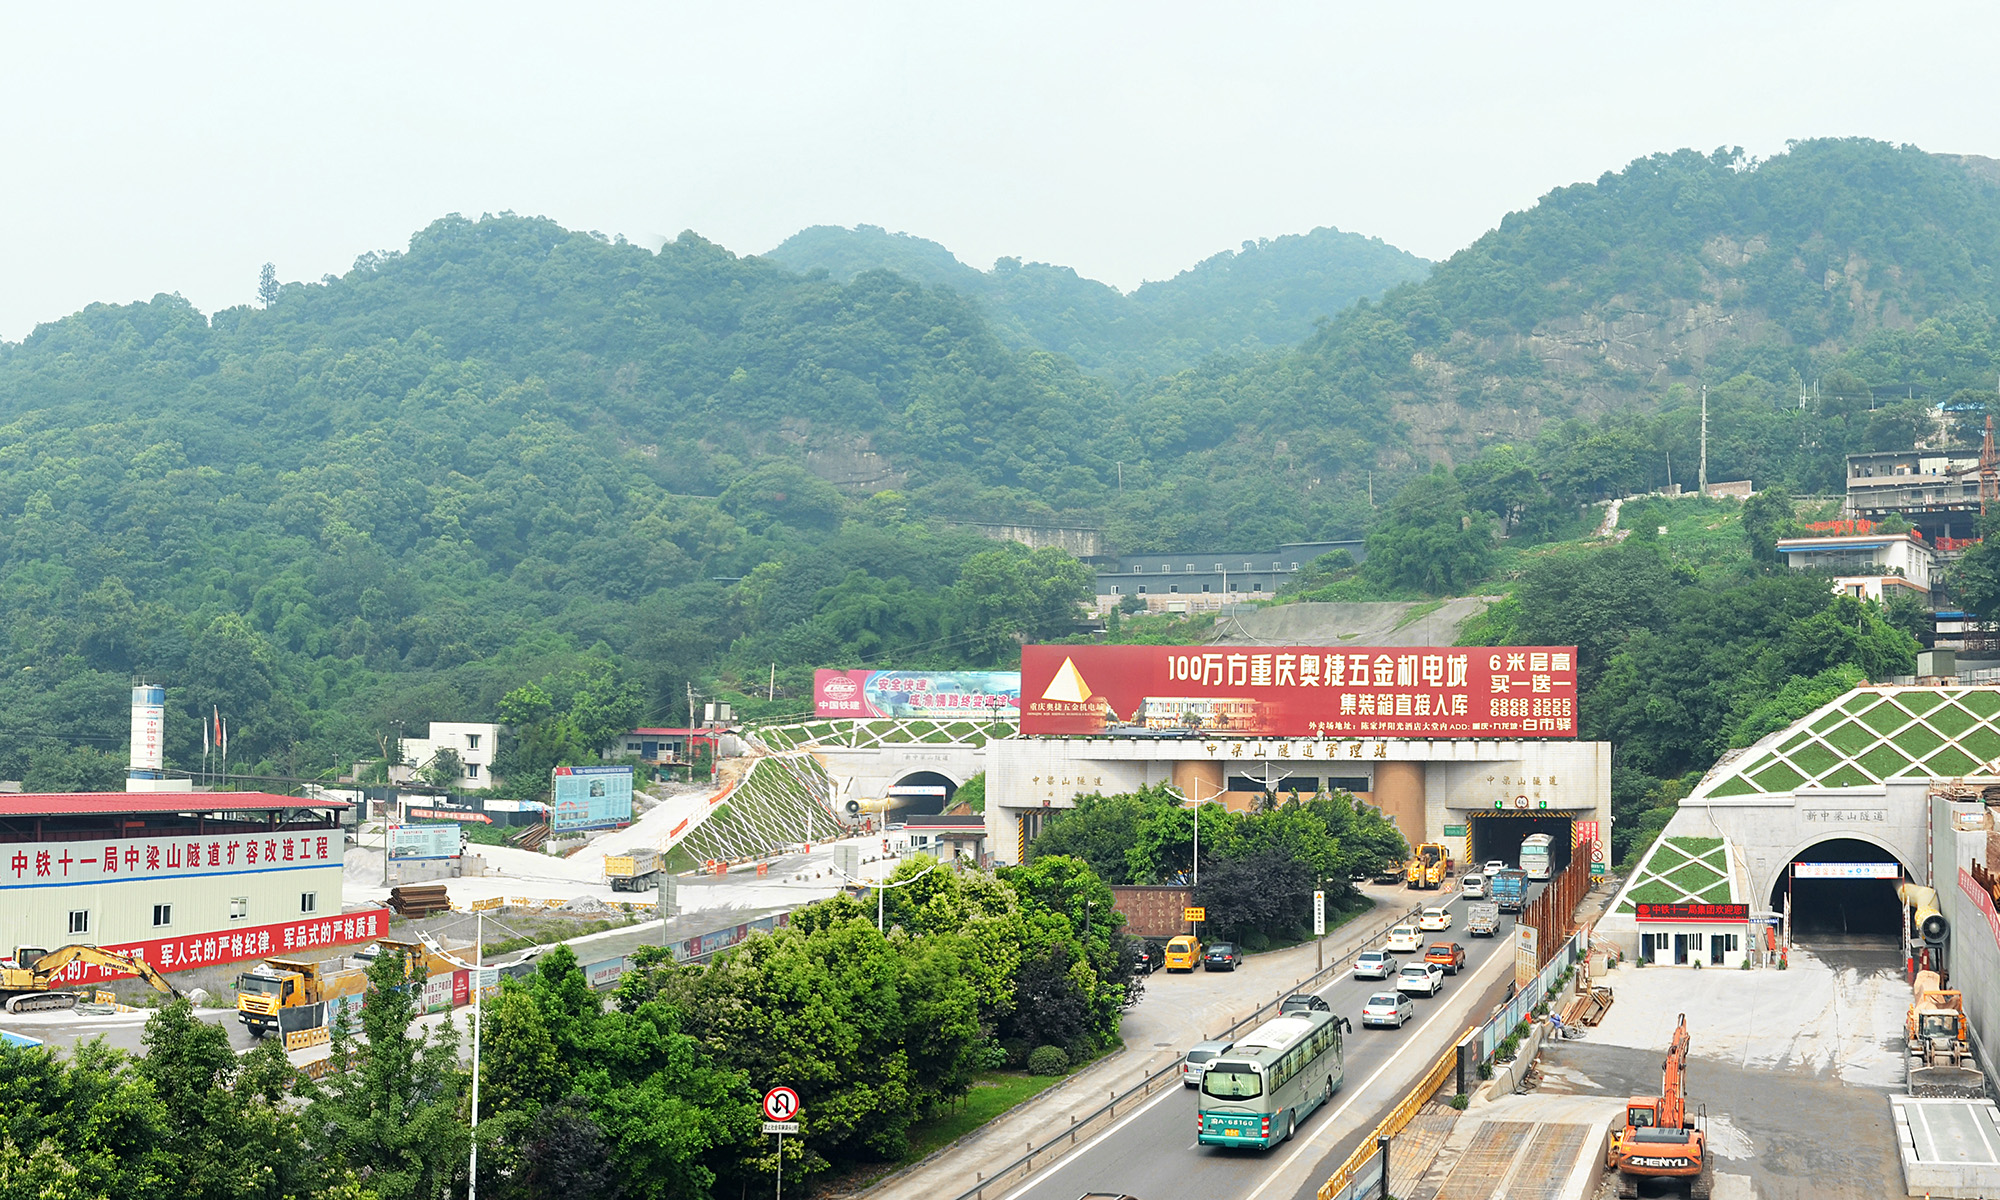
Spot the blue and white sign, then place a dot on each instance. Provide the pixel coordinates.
(1847, 870)
(590, 798)
(442, 840)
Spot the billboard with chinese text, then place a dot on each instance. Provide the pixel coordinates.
(441, 840)
(590, 798)
(1500, 692)
(982, 695)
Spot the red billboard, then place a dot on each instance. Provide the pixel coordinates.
(1299, 691)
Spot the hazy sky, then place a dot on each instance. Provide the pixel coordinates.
(152, 148)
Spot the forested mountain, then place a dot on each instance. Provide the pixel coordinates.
(516, 454)
(1266, 295)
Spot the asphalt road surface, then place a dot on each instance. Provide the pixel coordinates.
(1152, 1153)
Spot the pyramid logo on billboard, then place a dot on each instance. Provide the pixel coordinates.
(1068, 685)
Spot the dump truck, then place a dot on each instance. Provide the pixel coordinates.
(1482, 918)
(28, 980)
(1939, 1043)
(267, 992)
(1655, 1138)
(635, 870)
(278, 994)
(1430, 865)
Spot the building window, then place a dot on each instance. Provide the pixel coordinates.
(79, 921)
(308, 902)
(472, 770)
(1173, 587)
(1138, 567)
(472, 741)
(1142, 589)
(1190, 568)
(239, 907)
(1218, 566)
(1114, 589)
(632, 746)
(1204, 587)
(1235, 585)
(163, 915)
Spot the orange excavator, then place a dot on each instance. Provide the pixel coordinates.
(1656, 1139)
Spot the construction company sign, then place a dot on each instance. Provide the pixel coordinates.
(982, 695)
(193, 950)
(55, 864)
(1299, 691)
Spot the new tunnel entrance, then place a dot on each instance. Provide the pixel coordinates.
(919, 792)
(1841, 888)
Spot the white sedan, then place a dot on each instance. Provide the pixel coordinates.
(1404, 939)
(1494, 867)
(1424, 977)
(1386, 1009)
(1434, 920)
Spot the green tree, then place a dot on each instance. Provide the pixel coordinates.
(393, 1115)
(1767, 516)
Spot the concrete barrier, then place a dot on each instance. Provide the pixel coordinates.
(1507, 1076)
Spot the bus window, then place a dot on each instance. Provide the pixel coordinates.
(1231, 1081)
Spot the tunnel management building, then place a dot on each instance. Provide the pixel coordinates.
(1475, 748)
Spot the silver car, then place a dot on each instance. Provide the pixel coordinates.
(1386, 1009)
(1374, 964)
(1198, 1057)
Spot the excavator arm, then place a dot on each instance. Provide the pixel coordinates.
(48, 966)
(1673, 1097)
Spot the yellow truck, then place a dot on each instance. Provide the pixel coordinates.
(634, 871)
(1430, 865)
(28, 980)
(266, 992)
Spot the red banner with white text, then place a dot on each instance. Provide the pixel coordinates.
(1501, 692)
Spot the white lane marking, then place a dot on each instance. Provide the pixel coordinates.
(1077, 1154)
(1311, 1141)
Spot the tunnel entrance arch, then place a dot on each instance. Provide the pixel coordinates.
(1842, 887)
(921, 792)
(1499, 835)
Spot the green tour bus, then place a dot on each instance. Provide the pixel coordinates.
(1270, 1080)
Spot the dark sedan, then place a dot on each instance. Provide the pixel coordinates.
(1221, 957)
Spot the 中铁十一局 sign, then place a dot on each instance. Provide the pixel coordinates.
(188, 951)
(1691, 912)
(53, 864)
(1299, 691)
(982, 695)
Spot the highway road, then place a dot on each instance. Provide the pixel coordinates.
(1152, 1155)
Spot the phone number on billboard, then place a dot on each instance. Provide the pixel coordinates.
(1548, 706)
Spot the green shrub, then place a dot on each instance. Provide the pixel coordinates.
(1460, 1101)
(1048, 1060)
(1486, 1070)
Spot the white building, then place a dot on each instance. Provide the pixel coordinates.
(185, 880)
(1866, 563)
(475, 743)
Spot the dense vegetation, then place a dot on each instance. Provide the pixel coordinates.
(1258, 870)
(657, 1096)
(1266, 295)
(518, 455)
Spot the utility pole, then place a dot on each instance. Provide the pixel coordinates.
(771, 693)
(478, 999)
(1703, 477)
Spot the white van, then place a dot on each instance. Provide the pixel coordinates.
(1473, 885)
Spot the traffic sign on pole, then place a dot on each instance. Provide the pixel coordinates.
(781, 1104)
(1191, 913)
(781, 1127)
(1319, 914)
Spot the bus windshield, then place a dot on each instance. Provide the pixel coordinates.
(1232, 1081)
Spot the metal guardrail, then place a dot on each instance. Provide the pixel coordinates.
(1344, 1184)
(1093, 1122)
